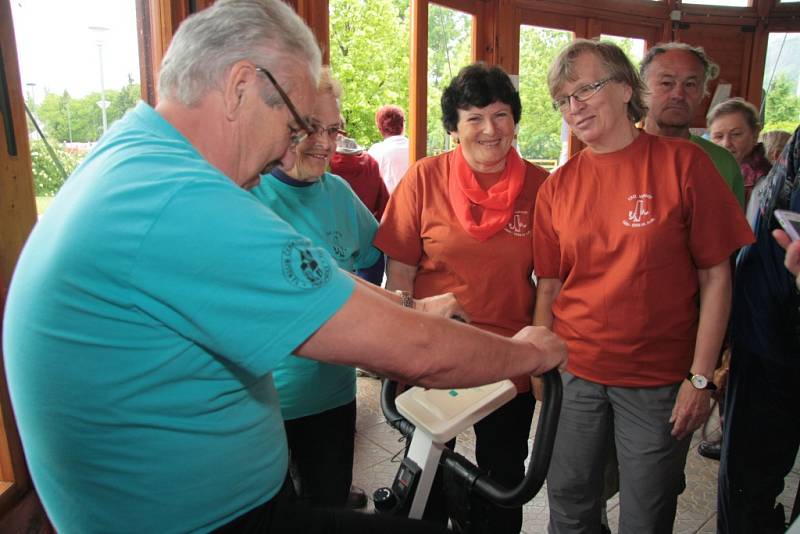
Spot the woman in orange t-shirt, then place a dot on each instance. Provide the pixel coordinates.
(461, 222)
(628, 234)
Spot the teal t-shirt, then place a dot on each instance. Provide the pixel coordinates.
(725, 164)
(330, 214)
(147, 311)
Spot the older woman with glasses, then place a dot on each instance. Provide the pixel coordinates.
(318, 399)
(628, 234)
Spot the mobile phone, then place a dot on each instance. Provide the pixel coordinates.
(790, 221)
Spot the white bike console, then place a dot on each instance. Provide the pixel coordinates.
(440, 415)
(444, 413)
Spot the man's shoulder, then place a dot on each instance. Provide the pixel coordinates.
(718, 153)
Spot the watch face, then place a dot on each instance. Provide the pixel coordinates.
(699, 381)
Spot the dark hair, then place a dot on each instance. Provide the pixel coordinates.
(389, 120)
(478, 85)
(710, 69)
(616, 64)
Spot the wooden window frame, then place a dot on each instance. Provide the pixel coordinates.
(157, 20)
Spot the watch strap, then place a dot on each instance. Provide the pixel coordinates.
(406, 299)
(710, 385)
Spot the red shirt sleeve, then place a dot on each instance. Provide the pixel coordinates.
(546, 247)
(717, 226)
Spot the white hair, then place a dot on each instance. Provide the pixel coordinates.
(208, 43)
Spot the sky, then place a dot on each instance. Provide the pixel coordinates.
(57, 50)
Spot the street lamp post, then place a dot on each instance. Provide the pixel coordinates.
(102, 103)
(32, 94)
(69, 120)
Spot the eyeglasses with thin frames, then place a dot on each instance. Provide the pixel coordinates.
(305, 130)
(332, 132)
(581, 94)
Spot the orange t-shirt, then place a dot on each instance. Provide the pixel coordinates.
(490, 279)
(625, 233)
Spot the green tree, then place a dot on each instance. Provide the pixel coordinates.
(122, 101)
(370, 58)
(46, 176)
(540, 126)
(64, 118)
(782, 105)
(449, 49)
(84, 117)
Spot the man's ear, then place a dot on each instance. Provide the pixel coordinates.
(239, 84)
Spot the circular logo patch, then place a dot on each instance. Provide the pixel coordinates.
(303, 265)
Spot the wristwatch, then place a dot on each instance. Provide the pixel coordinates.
(406, 299)
(701, 382)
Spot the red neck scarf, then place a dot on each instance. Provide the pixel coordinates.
(497, 202)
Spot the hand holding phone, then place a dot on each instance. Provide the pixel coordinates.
(790, 222)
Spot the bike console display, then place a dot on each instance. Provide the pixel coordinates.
(434, 417)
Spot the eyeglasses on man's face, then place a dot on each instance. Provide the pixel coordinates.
(581, 94)
(296, 134)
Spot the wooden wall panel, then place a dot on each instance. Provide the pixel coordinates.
(157, 21)
(728, 46)
(17, 217)
(315, 13)
(418, 81)
(506, 32)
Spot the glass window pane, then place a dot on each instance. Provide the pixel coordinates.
(781, 104)
(724, 3)
(369, 42)
(77, 89)
(542, 137)
(449, 49)
(633, 48)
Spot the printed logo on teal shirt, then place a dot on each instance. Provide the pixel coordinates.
(304, 266)
(340, 250)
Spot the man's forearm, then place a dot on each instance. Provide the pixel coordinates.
(420, 348)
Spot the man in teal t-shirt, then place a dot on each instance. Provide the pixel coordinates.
(154, 299)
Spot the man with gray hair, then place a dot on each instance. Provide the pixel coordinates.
(677, 75)
(154, 299)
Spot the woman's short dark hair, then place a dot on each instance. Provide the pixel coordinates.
(478, 85)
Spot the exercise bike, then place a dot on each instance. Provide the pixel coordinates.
(431, 418)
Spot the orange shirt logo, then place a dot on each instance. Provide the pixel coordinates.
(640, 214)
(518, 225)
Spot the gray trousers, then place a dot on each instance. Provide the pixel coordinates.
(651, 461)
